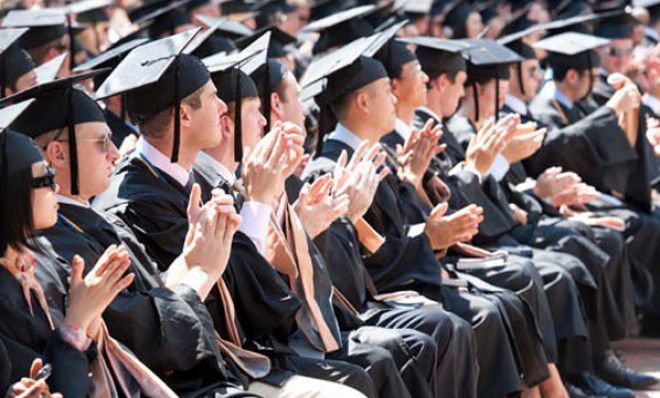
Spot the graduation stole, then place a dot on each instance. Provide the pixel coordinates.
(253, 364)
(23, 271)
(288, 252)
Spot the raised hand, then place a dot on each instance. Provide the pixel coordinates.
(490, 141)
(417, 152)
(317, 208)
(447, 230)
(90, 295)
(360, 178)
(553, 181)
(272, 161)
(577, 194)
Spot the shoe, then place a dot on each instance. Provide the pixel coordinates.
(576, 392)
(615, 371)
(594, 385)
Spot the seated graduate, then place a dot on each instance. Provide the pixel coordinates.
(38, 321)
(340, 245)
(151, 193)
(17, 65)
(404, 261)
(309, 342)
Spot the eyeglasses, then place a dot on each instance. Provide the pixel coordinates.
(619, 52)
(103, 143)
(44, 181)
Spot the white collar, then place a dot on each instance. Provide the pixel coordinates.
(342, 134)
(430, 112)
(70, 201)
(652, 102)
(221, 169)
(402, 129)
(559, 96)
(516, 104)
(162, 162)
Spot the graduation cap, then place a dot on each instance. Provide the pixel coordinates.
(269, 10)
(49, 70)
(109, 59)
(57, 104)
(515, 42)
(226, 27)
(616, 26)
(14, 61)
(392, 54)
(166, 18)
(230, 74)
(341, 28)
(155, 77)
(415, 9)
(519, 22)
(210, 41)
(345, 70)
(486, 60)
(322, 8)
(232, 7)
(572, 50)
(438, 56)
(90, 11)
(278, 41)
(45, 26)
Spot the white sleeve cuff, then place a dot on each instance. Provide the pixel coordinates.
(499, 168)
(256, 216)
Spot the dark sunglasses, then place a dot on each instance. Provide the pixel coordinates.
(44, 181)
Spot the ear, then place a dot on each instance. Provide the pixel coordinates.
(396, 87)
(226, 126)
(362, 101)
(186, 115)
(276, 105)
(571, 76)
(56, 156)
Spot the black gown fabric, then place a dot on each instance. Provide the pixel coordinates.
(408, 263)
(408, 349)
(168, 330)
(27, 337)
(642, 226)
(154, 206)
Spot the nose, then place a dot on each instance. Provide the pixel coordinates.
(262, 120)
(222, 106)
(113, 152)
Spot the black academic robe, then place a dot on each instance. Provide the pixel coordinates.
(168, 330)
(120, 130)
(409, 263)
(28, 336)
(248, 270)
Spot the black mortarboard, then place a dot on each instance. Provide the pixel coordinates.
(278, 41)
(230, 75)
(237, 7)
(438, 56)
(572, 50)
(268, 11)
(486, 60)
(57, 105)
(393, 55)
(456, 18)
(14, 61)
(166, 18)
(341, 28)
(157, 76)
(618, 26)
(45, 26)
(519, 22)
(345, 70)
(109, 59)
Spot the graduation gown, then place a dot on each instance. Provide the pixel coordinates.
(364, 348)
(26, 337)
(169, 331)
(408, 263)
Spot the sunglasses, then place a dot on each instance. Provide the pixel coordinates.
(44, 181)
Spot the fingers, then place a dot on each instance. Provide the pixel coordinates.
(36, 366)
(103, 262)
(194, 203)
(77, 267)
(439, 211)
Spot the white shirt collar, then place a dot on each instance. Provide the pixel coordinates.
(70, 201)
(224, 172)
(516, 104)
(430, 112)
(402, 129)
(162, 162)
(342, 134)
(652, 102)
(559, 96)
